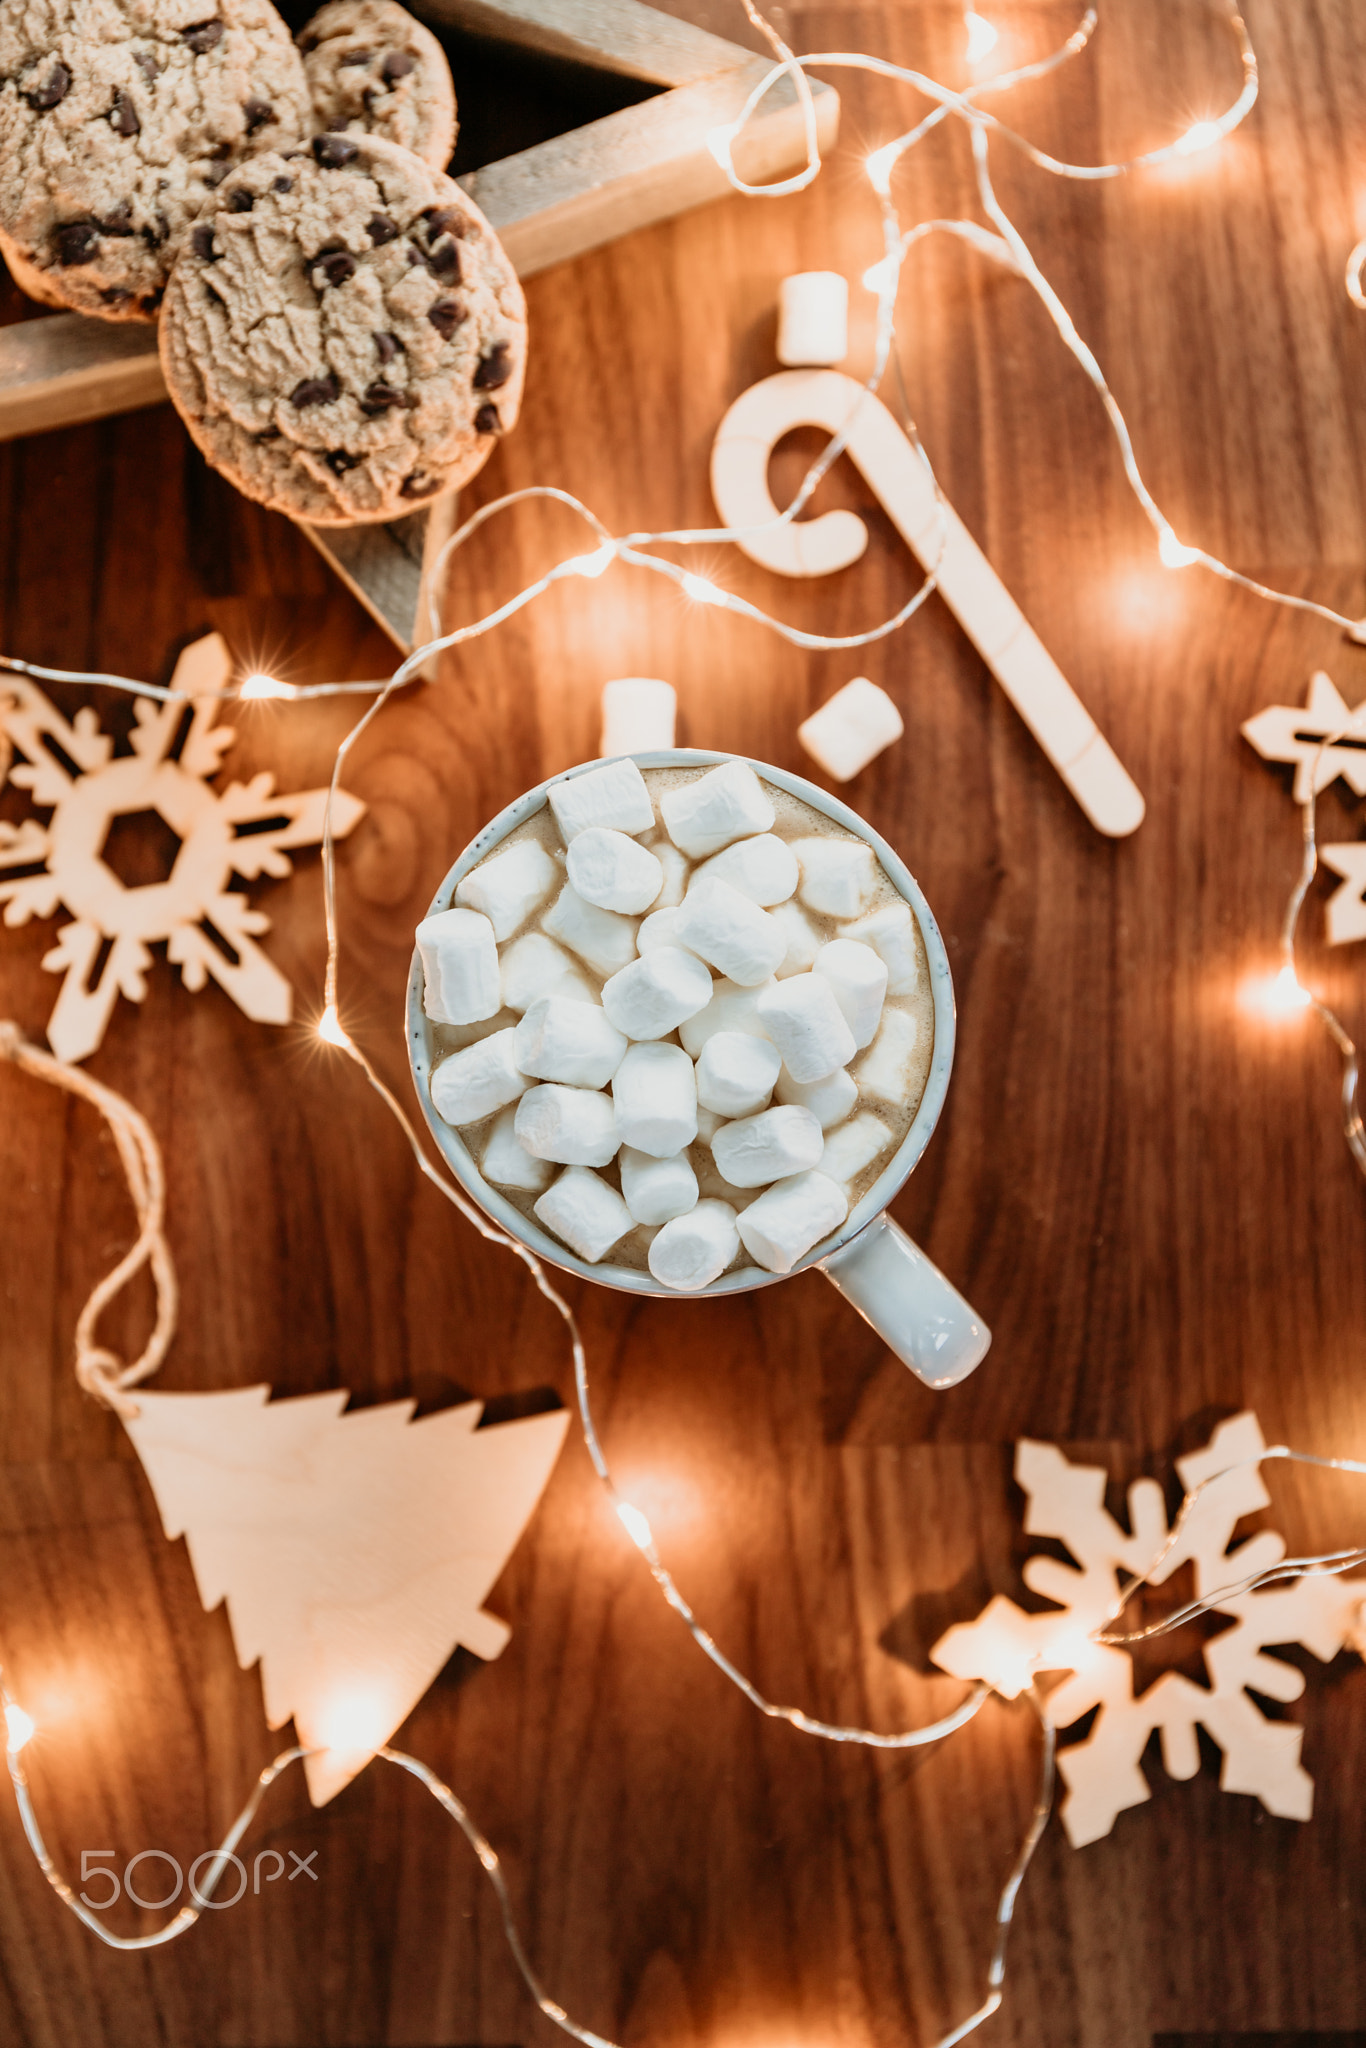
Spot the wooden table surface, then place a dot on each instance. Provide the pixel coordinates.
(1143, 1189)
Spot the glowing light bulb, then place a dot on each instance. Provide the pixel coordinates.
(354, 1721)
(982, 36)
(1174, 553)
(266, 686)
(594, 564)
(635, 1525)
(1203, 135)
(19, 1727)
(1071, 1651)
(702, 592)
(330, 1027)
(1281, 995)
(880, 166)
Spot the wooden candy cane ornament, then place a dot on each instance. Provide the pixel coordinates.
(970, 586)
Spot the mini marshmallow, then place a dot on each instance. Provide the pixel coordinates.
(858, 975)
(654, 995)
(584, 1213)
(807, 1025)
(850, 729)
(853, 1146)
(730, 1009)
(638, 715)
(829, 1101)
(705, 815)
(885, 1072)
(838, 875)
(506, 1162)
(677, 868)
(813, 318)
(803, 940)
(657, 1190)
(656, 1100)
(534, 966)
(461, 983)
(563, 1040)
(510, 885)
(760, 1149)
(736, 1073)
(708, 1124)
(613, 795)
(763, 868)
(788, 1219)
(891, 933)
(601, 937)
(730, 931)
(660, 928)
(573, 1126)
(695, 1249)
(471, 1084)
(608, 869)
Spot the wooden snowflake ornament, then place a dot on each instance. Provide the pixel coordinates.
(354, 1551)
(70, 770)
(1007, 1647)
(1296, 732)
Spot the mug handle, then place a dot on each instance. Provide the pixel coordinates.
(917, 1313)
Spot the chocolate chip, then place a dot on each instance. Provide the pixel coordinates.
(123, 115)
(240, 200)
(417, 485)
(257, 113)
(219, 153)
(338, 461)
(215, 175)
(77, 242)
(119, 221)
(486, 420)
(354, 57)
(338, 124)
(446, 315)
(203, 244)
(495, 368)
(387, 346)
(314, 391)
(336, 266)
(115, 295)
(54, 89)
(381, 229)
(444, 261)
(395, 66)
(442, 220)
(332, 151)
(149, 301)
(282, 185)
(380, 398)
(203, 36)
(147, 65)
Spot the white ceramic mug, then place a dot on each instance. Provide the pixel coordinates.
(917, 1313)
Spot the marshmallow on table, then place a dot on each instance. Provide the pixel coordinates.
(560, 1039)
(848, 730)
(730, 930)
(703, 816)
(858, 975)
(471, 1084)
(693, 1250)
(789, 1218)
(510, 885)
(655, 1100)
(884, 1072)
(535, 966)
(657, 1190)
(603, 938)
(803, 940)
(891, 933)
(763, 868)
(838, 875)
(730, 1009)
(613, 795)
(507, 1163)
(736, 1073)
(573, 1126)
(807, 1025)
(654, 995)
(772, 1146)
(829, 1101)
(813, 318)
(637, 715)
(853, 1146)
(584, 1213)
(461, 981)
(607, 868)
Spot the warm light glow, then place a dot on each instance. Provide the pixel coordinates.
(702, 592)
(1280, 995)
(1073, 1650)
(354, 1721)
(266, 686)
(1203, 135)
(594, 564)
(330, 1027)
(1174, 553)
(635, 1525)
(982, 36)
(880, 166)
(20, 1728)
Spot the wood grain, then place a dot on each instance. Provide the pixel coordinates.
(1144, 1191)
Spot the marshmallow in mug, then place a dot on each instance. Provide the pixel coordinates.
(689, 1016)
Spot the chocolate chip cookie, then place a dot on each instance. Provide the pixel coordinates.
(117, 120)
(373, 70)
(343, 333)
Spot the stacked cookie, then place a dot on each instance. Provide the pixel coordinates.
(340, 328)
